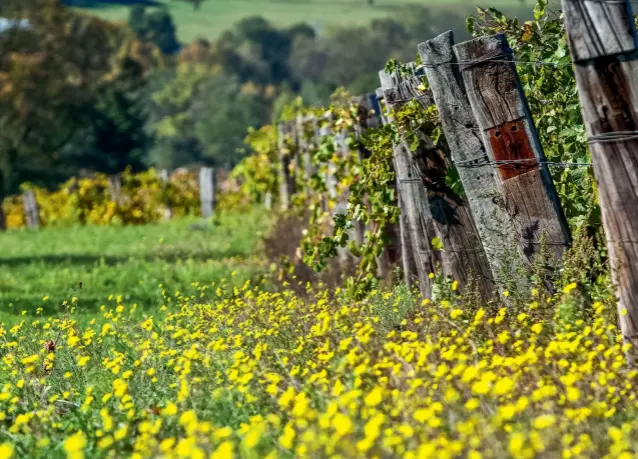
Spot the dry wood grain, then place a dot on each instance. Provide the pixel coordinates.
(608, 90)
(499, 104)
(496, 229)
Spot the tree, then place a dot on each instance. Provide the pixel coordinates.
(200, 117)
(66, 88)
(155, 27)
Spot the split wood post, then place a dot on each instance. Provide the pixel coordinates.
(31, 209)
(462, 257)
(408, 261)
(115, 187)
(391, 254)
(207, 191)
(495, 226)
(414, 201)
(603, 43)
(509, 134)
(165, 179)
(286, 164)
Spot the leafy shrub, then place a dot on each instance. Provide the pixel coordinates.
(87, 201)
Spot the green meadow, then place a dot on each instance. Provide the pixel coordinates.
(43, 269)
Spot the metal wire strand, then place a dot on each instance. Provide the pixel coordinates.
(609, 137)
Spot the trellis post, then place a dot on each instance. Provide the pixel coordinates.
(286, 164)
(498, 234)
(207, 191)
(31, 209)
(414, 205)
(462, 256)
(604, 48)
(165, 179)
(526, 190)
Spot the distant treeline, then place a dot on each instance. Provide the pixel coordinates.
(80, 95)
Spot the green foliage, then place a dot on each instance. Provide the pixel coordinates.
(200, 117)
(366, 181)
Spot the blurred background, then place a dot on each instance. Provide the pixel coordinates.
(98, 86)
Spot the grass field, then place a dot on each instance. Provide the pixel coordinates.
(130, 262)
(215, 16)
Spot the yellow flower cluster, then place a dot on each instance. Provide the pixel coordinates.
(242, 372)
(144, 199)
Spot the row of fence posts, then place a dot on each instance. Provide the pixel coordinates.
(510, 206)
(207, 193)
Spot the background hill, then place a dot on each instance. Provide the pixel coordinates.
(215, 16)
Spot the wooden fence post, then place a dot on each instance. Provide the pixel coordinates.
(31, 209)
(391, 254)
(207, 191)
(462, 257)
(115, 187)
(414, 203)
(500, 108)
(286, 160)
(305, 147)
(268, 200)
(498, 234)
(165, 179)
(603, 43)
(408, 260)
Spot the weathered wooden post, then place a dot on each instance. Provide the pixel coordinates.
(286, 164)
(115, 187)
(408, 260)
(462, 257)
(165, 179)
(31, 209)
(604, 48)
(391, 254)
(414, 203)
(268, 200)
(510, 138)
(207, 191)
(495, 226)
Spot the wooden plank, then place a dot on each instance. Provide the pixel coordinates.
(463, 256)
(608, 90)
(207, 191)
(31, 209)
(500, 108)
(494, 225)
(287, 185)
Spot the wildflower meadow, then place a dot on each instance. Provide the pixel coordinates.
(302, 319)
